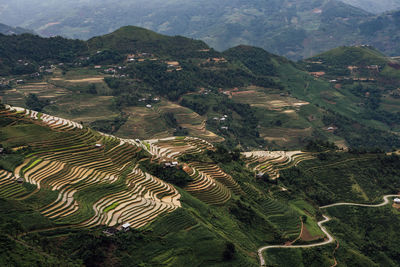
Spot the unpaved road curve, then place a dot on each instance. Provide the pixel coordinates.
(323, 229)
(385, 201)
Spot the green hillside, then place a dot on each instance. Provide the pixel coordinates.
(79, 186)
(244, 97)
(134, 39)
(346, 56)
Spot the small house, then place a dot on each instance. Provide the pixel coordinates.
(148, 106)
(174, 163)
(172, 63)
(1, 150)
(396, 200)
(126, 226)
(168, 164)
(259, 175)
(98, 145)
(20, 180)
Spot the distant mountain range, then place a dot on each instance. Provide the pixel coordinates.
(374, 6)
(5, 29)
(295, 29)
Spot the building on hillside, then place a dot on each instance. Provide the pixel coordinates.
(1, 150)
(126, 227)
(260, 175)
(98, 145)
(148, 106)
(396, 200)
(20, 180)
(172, 63)
(317, 74)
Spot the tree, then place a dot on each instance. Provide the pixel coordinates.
(229, 251)
(34, 103)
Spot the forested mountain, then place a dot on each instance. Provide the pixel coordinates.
(140, 149)
(295, 29)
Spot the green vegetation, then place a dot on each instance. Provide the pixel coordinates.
(244, 96)
(34, 103)
(257, 211)
(173, 175)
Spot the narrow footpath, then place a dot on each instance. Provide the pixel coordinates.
(323, 229)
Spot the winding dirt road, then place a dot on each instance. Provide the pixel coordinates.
(323, 229)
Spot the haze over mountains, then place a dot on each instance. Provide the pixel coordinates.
(7, 30)
(375, 6)
(296, 29)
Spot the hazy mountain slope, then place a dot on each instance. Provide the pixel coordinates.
(374, 6)
(295, 29)
(5, 29)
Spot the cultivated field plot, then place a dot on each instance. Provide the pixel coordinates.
(149, 123)
(144, 123)
(96, 177)
(83, 108)
(43, 90)
(271, 162)
(262, 98)
(186, 118)
(285, 136)
(210, 183)
(81, 79)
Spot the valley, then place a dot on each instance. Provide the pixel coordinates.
(141, 149)
(107, 181)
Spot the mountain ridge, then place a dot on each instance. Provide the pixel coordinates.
(293, 29)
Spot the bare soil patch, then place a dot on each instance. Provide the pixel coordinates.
(306, 235)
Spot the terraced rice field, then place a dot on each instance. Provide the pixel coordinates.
(95, 176)
(9, 187)
(271, 162)
(210, 184)
(43, 90)
(282, 216)
(98, 180)
(174, 147)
